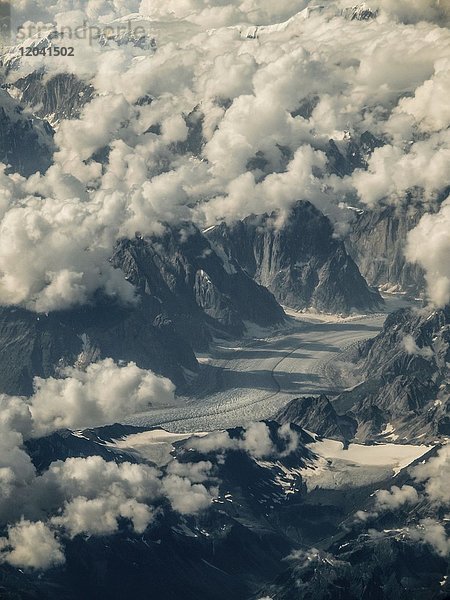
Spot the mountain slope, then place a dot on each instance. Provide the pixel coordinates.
(406, 380)
(317, 414)
(299, 261)
(26, 142)
(186, 294)
(38, 345)
(54, 98)
(199, 288)
(376, 242)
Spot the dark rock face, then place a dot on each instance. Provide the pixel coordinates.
(386, 568)
(300, 262)
(195, 141)
(377, 241)
(377, 237)
(64, 444)
(186, 292)
(37, 345)
(317, 414)
(26, 142)
(60, 97)
(306, 107)
(406, 377)
(359, 12)
(199, 288)
(265, 535)
(345, 156)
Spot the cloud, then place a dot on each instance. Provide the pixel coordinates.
(16, 469)
(392, 171)
(255, 439)
(433, 533)
(246, 196)
(216, 441)
(43, 10)
(196, 472)
(434, 474)
(89, 496)
(70, 248)
(99, 516)
(93, 477)
(222, 12)
(389, 500)
(102, 394)
(99, 493)
(31, 545)
(186, 497)
(240, 70)
(413, 11)
(396, 497)
(15, 415)
(78, 140)
(411, 347)
(429, 246)
(85, 495)
(428, 107)
(259, 148)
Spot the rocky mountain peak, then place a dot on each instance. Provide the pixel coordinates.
(298, 259)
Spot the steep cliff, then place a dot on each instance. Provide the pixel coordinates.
(26, 142)
(405, 394)
(200, 288)
(300, 260)
(377, 242)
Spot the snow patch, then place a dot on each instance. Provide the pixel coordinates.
(155, 445)
(357, 465)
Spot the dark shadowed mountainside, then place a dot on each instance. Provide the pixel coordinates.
(300, 261)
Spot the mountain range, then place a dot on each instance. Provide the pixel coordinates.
(302, 453)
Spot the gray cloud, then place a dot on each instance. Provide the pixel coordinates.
(411, 347)
(89, 496)
(434, 473)
(413, 11)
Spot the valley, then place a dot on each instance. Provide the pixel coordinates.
(252, 379)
